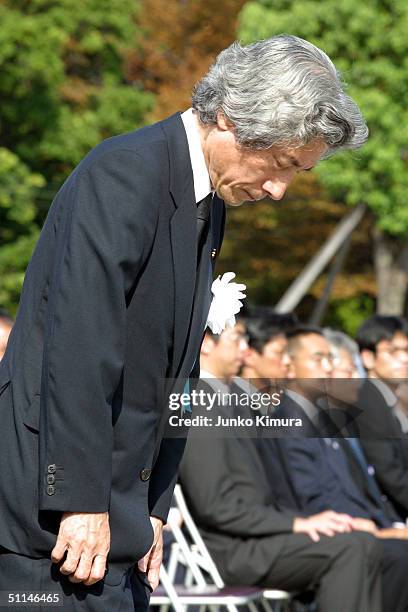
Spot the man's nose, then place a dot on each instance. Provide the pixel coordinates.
(327, 365)
(243, 347)
(275, 188)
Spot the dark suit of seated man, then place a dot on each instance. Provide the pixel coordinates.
(319, 467)
(257, 540)
(383, 342)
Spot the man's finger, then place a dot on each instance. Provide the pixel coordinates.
(83, 569)
(59, 550)
(339, 527)
(153, 576)
(143, 562)
(314, 535)
(71, 563)
(327, 531)
(97, 571)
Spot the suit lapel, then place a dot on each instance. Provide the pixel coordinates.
(183, 233)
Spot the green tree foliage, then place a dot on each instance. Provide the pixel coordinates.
(18, 231)
(369, 44)
(62, 90)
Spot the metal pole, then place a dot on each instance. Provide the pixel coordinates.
(321, 305)
(317, 264)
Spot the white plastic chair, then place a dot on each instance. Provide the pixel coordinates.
(204, 586)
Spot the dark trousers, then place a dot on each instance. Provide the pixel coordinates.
(21, 573)
(344, 571)
(395, 575)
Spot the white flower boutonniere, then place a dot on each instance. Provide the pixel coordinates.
(225, 303)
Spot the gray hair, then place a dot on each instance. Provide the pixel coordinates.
(282, 90)
(340, 340)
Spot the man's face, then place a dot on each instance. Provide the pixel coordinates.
(239, 174)
(270, 363)
(343, 365)
(345, 383)
(227, 355)
(309, 362)
(311, 358)
(390, 359)
(5, 330)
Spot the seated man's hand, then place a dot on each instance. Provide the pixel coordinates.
(85, 537)
(327, 523)
(392, 532)
(362, 524)
(152, 560)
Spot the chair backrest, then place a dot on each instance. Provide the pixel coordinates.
(198, 555)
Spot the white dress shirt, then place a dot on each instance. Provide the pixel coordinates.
(202, 183)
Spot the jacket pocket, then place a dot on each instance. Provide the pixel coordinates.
(4, 378)
(32, 414)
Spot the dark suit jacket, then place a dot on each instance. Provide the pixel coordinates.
(326, 476)
(322, 479)
(238, 513)
(289, 409)
(106, 315)
(385, 445)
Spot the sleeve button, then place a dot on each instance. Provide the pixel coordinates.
(50, 479)
(51, 469)
(50, 490)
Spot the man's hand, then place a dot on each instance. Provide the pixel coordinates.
(85, 537)
(392, 532)
(328, 523)
(152, 560)
(362, 524)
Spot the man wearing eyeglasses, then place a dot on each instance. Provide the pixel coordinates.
(383, 342)
(318, 465)
(309, 365)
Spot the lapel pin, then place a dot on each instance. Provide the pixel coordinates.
(213, 253)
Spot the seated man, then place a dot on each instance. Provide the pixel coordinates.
(255, 540)
(319, 469)
(383, 343)
(222, 356)
(267, 342)
(343, 389)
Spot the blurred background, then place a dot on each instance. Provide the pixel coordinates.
(73, 72)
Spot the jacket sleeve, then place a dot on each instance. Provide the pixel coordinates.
(109, 219)
(221, 502)
(385, 445)
(387, 457)
(304, 460)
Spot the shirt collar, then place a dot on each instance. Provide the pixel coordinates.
(216, 384)
(308, 408)
(202, 183)
(402, 417)
(385, 391)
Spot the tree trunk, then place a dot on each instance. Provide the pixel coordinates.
(391, 267)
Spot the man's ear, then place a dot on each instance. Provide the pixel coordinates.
(368, 359)
(250, 358)
(207, 345)
(223, 123)
(289, 365)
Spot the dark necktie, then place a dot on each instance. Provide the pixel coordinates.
(203, 215)
(370, 479)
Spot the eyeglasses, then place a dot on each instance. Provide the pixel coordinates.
(236, 338)
(394, 351)
(321, 359)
